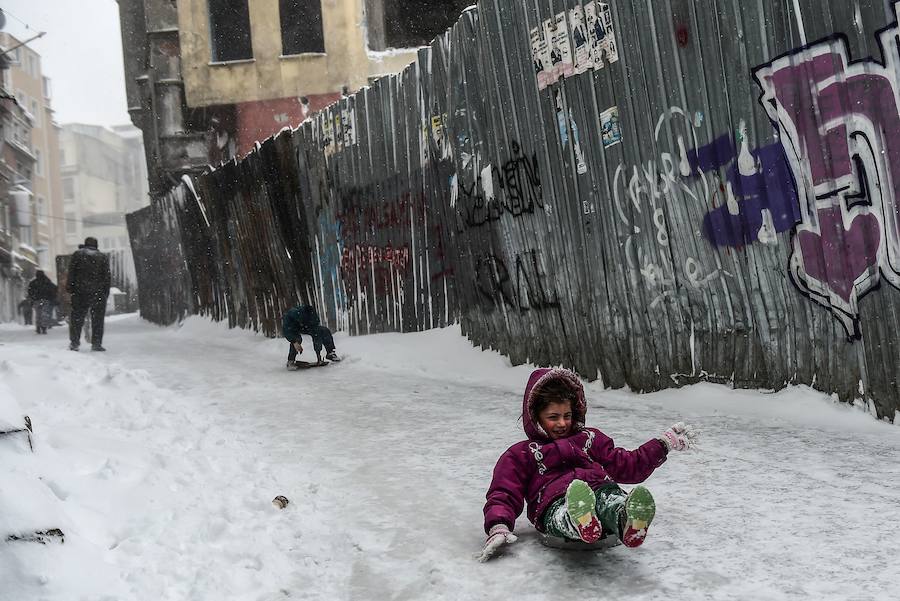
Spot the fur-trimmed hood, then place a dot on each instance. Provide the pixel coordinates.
(538, 379)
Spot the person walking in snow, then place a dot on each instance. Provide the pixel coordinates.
(88, 283)
(568, 474)
(303, 319)
(42, 294)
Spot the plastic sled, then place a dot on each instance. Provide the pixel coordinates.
(556, 542)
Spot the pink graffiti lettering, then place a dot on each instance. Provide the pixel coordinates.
(840, 129)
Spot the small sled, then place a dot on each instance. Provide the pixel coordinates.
(556, 542)
(308, 365)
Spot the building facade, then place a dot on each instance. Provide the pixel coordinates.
(207, 79)
(104, 176)
(31, 228)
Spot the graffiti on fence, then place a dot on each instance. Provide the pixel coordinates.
(840, 127)
(361, 257)
(522, 288)
(367, 209)
(686, 172)
(514, 188)
(755, 200)
(330, 250)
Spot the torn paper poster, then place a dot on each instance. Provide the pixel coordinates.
(557, 33)
(610, 130)
(566, 122)
(348, 119)
(580, 40)
(338, 130)
(327, 134)
(598, 17)
(540, 55)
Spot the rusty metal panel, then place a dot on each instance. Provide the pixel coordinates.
(652, 192)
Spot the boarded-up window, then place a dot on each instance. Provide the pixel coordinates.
(301, 26)
(410, 23)
(229, 28)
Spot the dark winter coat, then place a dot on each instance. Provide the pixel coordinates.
(88, 273)
(540, 469)
(301, 319)
(41, 289)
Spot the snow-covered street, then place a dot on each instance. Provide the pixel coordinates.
(159, 460)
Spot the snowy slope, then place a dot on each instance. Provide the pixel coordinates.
(160, 458)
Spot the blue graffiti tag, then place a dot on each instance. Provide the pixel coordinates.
(767, 186)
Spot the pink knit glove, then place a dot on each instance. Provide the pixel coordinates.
(680, 437)
(498, 536)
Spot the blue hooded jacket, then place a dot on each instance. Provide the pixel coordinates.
(301, 319)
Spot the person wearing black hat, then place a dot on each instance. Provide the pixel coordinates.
(88, 283)
(42, 294)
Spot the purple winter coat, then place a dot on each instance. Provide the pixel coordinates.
(540, 469)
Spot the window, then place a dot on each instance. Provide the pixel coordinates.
(36, 112)
(68, 186)
(38, 163)
(62, 156)
(301, 26)
(46, 87)
(42, 209)
(229, 28)
(71, 223)
(409, 23)
(31, 64)
(25, 235)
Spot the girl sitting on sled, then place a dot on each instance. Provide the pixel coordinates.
(569, 474)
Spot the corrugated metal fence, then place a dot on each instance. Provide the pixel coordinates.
(654, 192)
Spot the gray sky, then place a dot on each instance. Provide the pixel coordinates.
(81, 54)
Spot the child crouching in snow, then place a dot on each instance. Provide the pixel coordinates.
(568, 473)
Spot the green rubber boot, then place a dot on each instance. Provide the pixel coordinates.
(638, 513)
(581, 507)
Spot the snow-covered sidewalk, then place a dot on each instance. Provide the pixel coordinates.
(160, 458)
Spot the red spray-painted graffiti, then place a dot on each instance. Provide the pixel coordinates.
(361, 257)
(840, 128)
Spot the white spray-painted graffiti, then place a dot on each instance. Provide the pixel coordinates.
(653, 185)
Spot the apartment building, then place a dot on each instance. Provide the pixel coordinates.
(30, 195)
(32, 90)
(104, 176)
(207, 79)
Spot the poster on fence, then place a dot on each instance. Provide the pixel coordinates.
(560, 51)
(610, 130)
(598, 18)
(327, 133)
(583, 58)
(540, 54)
(348, 119)
(338, 129)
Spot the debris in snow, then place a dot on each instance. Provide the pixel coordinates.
(43, 537)
(280, 502)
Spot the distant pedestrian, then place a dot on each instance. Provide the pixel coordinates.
(42, 294)
(88, 282)
(303, 319)
(25, 309)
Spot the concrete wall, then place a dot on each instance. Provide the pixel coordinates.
(269, 75)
